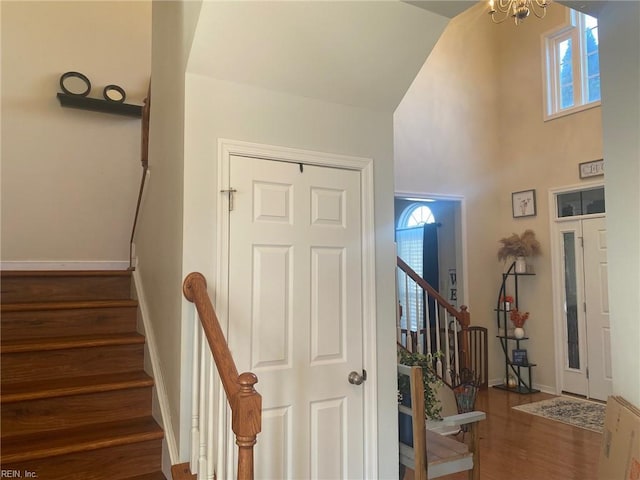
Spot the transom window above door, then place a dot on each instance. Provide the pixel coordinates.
(580, 202)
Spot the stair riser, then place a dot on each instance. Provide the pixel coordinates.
(57, 288)
(114, 463)
(63, 323)
(74, 411)
(29, 366)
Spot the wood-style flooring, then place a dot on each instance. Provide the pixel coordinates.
(516, 445)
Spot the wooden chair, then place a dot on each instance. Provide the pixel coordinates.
(434, 455)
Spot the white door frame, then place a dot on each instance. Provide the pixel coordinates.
(556, 269)
(227, 148)
(461, 250)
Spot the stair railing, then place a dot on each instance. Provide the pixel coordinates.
(244, 401)
(427, 323)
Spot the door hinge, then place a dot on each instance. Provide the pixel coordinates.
(581, 241)
(230, 192)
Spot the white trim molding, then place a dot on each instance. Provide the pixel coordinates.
(227, 148)
(463, 234)
(34, 265)
(555, 224)
(156, 372)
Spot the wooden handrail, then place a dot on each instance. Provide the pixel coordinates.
(245, 402)
(462, 315)
(144, 160)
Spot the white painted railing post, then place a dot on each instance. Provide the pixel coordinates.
(195, 397)
(203, 457)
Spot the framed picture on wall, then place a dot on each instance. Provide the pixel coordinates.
(523, 204)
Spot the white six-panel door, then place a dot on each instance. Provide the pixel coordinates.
(295, 313)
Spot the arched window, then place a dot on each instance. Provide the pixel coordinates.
(416, 215)
(410, 239)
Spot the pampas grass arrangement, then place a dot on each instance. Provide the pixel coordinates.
(515, 245)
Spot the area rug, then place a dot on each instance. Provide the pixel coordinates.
(573, 411)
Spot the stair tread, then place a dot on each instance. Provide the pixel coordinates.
(18, 448)
(61, 387)
(65, 305)
(78, 341)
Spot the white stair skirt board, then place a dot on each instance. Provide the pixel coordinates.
(169, 441)
(64, 265)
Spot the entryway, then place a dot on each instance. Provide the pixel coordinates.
(581, 293)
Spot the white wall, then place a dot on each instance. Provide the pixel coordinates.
(444, 144)
(219, 109)
(159, 237)
(70, 177)
(620, 65)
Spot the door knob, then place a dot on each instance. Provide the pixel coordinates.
(356, 379)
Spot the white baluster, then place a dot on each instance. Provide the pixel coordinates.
(456, 348)
(407, 315)
(447, 353)
(437, 319)
(418, 308)
(398, 308)
(221, 467)
(427, 321)
(195, 397)
(210, 421)
(204, 375)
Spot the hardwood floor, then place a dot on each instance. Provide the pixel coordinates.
(517, 445)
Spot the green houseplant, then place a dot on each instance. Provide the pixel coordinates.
(432, 406)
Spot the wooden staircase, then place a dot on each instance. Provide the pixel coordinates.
(75, 400)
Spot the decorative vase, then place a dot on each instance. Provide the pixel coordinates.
(518, 332)
(512, 382)
(507, 306)
(521, 265)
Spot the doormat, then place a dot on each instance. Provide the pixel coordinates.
(572, 411)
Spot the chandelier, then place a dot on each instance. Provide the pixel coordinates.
(500, 10)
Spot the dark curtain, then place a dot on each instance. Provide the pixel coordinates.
(430, 270)
(431, 274)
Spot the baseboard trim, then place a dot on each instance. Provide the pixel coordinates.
(156, 371)
(546, 389)
(64, 265)
(542, 388)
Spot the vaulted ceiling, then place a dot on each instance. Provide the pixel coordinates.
(360, 53)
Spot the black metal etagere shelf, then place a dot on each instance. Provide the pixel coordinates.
(520, 371)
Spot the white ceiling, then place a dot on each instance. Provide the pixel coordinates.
(446, 8)
(361, 53)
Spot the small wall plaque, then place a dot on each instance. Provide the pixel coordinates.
(593, 168)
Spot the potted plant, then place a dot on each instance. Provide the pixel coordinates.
(506, 302)
(518, 319)
(519, 247)
(432, 382)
